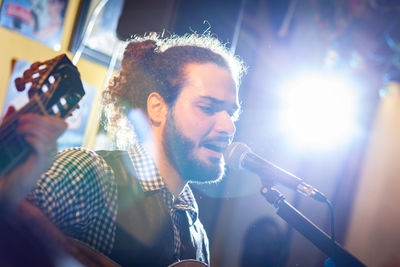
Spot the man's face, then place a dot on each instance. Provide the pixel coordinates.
(200, 124)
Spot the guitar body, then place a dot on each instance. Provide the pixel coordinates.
(188, 263)
(90, 257)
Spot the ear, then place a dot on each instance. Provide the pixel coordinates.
(157, 109)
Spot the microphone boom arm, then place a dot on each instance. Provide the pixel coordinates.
(340, 256)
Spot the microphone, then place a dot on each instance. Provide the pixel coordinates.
(240, 156)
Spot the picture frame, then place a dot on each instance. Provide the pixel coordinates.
(39, 20)
(100, 44)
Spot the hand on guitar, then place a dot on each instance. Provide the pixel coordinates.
(41, 132)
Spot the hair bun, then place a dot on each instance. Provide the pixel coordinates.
(137, 51)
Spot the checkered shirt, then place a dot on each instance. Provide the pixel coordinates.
(151, 180)
(79, 194)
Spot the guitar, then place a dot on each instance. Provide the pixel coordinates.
(90, 257)
(55, 89)
(188, 263)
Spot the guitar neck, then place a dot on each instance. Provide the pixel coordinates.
(13, 147)
(55, 89)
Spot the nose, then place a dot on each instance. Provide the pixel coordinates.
(225, 124)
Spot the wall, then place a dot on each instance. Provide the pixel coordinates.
(374, 234)
(16, 46)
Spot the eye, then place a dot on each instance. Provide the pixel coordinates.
(208, 110)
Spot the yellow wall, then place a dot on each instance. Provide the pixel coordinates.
(16, 46)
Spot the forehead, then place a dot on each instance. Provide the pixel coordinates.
(209, 80)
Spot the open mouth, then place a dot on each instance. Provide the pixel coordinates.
(216, 147)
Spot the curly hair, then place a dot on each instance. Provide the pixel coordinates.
(155, 64)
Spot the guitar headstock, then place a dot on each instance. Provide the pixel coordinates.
(54, 84)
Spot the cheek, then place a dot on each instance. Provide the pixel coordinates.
(193, 124)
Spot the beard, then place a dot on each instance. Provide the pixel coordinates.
(180, 153)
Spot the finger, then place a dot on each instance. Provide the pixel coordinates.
(9, 112)
(34, 122)
(44, 121)
(42, 136)
(29, 128)
(41, 132)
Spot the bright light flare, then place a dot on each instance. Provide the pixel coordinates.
(318, 110)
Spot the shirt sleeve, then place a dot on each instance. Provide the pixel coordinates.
(79, 195)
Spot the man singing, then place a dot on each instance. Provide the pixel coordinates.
(135, 206)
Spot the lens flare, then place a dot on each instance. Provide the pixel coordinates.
(318, 110)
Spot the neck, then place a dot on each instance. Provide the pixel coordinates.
(174, 182)
(172, 179)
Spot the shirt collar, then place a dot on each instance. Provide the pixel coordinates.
(145, 168)
(150, 179)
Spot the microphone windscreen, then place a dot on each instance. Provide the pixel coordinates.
(234, 155)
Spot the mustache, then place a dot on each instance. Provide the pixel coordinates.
(218, 139)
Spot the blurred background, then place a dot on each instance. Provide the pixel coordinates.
(321, 100)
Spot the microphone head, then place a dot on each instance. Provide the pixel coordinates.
(234, 155)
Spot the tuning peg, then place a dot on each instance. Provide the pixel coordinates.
(35, 65)
(27, 74)
(19, 84)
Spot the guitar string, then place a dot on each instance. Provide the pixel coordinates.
(17, 142)
(26, 106)
(14, 142)
(8, 127)
(7, 130)
(9, 133)
(31, 106)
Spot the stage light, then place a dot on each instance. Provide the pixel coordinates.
(331, 58)
(318, 110)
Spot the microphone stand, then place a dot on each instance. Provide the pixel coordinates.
(309, 230)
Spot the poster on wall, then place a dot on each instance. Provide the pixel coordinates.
(40, 20)
(77, 123)
(102, 41)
